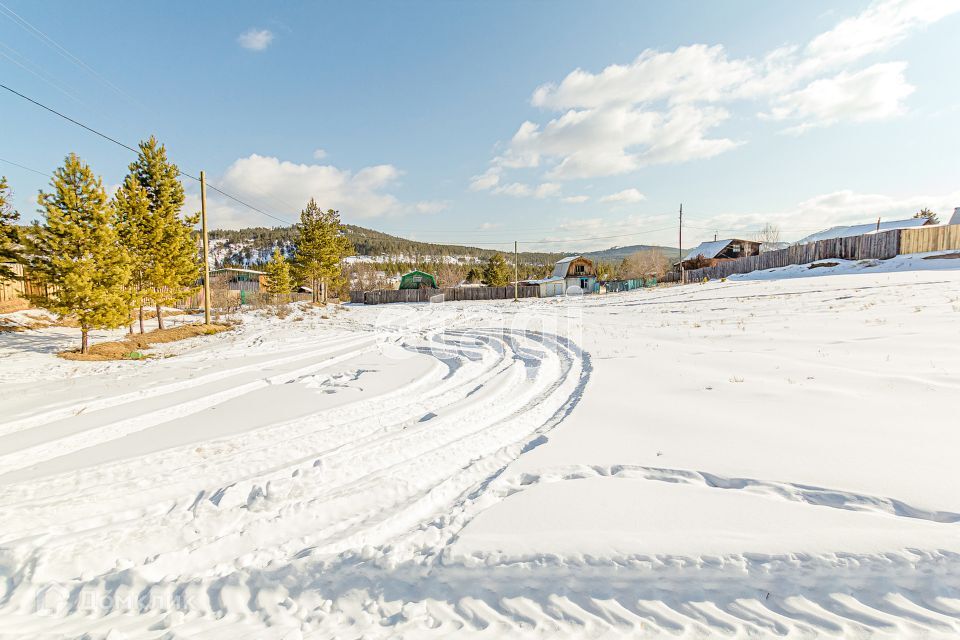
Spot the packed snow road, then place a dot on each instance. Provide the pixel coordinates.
(743, 459)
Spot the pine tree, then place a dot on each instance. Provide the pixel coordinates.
(132, 215)
(172, 266)
(77, 250)
(320, 247)
(496, 273)
(279, 280)
(929, 215)
(9, 235)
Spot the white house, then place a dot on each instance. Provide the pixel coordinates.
(573, 271)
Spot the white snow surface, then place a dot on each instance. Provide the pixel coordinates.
(770, 456)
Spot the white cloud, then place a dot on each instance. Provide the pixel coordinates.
(575, 199)
(488, 226)
(431, 206)
(666, 107)
(875, 93)
(882, 25)
(546, 189)
(255, 39)
(822, 212)
(627, 195)
(277, 186)
(521, 190)
(692, 73)
(487, 180)
(319, 154)
(813, 214)
(611, 141)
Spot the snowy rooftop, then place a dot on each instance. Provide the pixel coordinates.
(862, 229)
(708, 249)
(545, 280)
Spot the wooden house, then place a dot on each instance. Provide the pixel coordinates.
(573, 273)
(237, 279)
(708, 254)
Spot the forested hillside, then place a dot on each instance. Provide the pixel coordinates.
(254, 245)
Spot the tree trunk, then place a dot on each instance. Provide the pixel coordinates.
(131, 323)
(141, 318)
(316, 296)
(84, 340)
(159, 317)
(323, 292)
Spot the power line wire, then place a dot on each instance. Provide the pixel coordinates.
(37, 33)
(17, 164)
(69, 119)
(38, 71)
(282, 220)
(468, 243)
(129, 148)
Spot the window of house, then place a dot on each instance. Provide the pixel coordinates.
(578, 268)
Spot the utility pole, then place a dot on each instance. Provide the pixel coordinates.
(206, 249)
(516, 271)
(680, 242)
(878, 224)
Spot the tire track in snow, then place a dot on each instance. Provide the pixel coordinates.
(819, 496)
(465, 430)
(45, 417)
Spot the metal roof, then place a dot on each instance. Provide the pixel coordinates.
(862, 229)
(561, 266)
(544, 280)
(710, 249)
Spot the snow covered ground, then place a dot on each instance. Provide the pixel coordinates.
(773, 455)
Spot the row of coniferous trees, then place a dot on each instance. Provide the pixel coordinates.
(108, 259)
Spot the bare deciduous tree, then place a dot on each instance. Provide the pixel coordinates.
(651, 262)
(769, 232)
(449, 274)
(365, 276)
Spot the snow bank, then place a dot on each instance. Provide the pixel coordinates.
(765, 456)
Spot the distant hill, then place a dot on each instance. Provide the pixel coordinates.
(254, 245)
(616, 254)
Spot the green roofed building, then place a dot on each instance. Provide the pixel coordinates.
(417, 280)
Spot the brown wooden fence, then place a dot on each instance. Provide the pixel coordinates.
(879, 246)
(924, 239)
(384, 296)
(23, 285)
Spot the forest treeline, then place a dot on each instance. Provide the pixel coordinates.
(255, 245)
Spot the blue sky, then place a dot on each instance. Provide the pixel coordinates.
(567, 125)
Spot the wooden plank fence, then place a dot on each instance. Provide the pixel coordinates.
(23, 285)
(877, 246)
(450, 294)
(924, 239)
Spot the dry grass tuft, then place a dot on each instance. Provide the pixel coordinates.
(943, 256)
(132, 348)
(13, 304)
